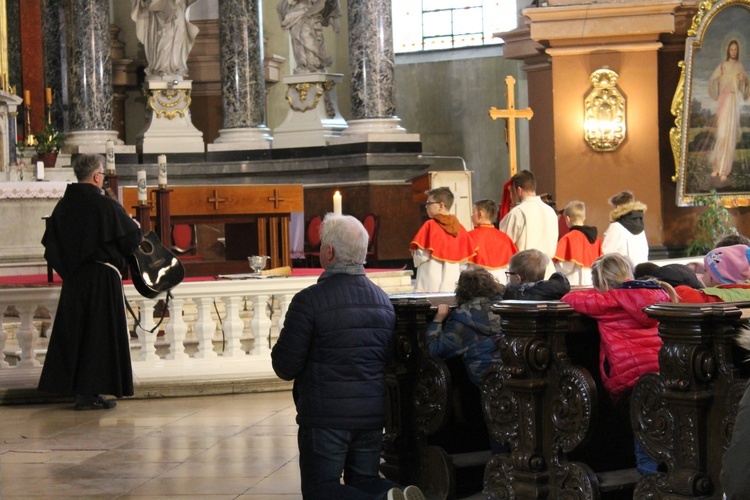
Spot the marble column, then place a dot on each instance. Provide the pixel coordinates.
(55, 57)
(89, 77)
(371, 62)
(242, 77)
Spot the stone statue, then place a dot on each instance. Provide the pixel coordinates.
(305, 20)
(167, 36)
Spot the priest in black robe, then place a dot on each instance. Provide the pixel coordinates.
(88, 239)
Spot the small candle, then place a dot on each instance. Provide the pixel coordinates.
(27, 97)
(48, 96)
(110, 157)
(337, 203)
(162, 171)
(40, 170)
(142, 194)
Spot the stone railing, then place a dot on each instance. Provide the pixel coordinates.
(216, 336)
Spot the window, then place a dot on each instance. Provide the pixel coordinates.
(420, 25)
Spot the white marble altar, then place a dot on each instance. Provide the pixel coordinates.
(23, 205)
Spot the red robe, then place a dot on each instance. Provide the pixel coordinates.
(575, 247)
(442, 245)
(494, 247)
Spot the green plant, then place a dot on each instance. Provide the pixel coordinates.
(48, 140)
(712, 225)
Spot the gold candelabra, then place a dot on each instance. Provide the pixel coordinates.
(28, 137)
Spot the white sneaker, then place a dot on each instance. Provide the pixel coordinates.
(413, 493)
(396, 494)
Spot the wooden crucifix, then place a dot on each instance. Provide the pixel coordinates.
(510, 116)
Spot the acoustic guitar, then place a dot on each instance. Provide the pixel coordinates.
(154, 269)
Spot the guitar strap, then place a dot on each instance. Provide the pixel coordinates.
(136, 318)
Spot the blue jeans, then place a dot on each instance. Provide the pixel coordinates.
(643, 462)
(325, 453)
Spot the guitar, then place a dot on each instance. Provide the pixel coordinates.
(154, 268)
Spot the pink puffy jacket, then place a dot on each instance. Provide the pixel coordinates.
(630, 342)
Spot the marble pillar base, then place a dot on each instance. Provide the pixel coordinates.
(375, 130)
(170, 128)
(89, 141)
(241, 139)
(313, 117)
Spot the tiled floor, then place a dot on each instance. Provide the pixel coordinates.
(239, 446)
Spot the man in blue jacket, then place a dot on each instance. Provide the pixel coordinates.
(334, 345)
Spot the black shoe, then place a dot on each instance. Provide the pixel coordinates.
(99, 404)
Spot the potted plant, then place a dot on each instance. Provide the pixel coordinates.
(712, 225)
(47, 144)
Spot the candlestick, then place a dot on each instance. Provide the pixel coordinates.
(110, 156)
(142, 194)
(27, 97)
(48, 96)
(337, 203)
(162, 171)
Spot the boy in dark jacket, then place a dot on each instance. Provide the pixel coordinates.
(525, 278)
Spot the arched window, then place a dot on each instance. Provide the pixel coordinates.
(420, 25)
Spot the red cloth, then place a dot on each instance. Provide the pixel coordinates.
(505, 201)
(494, 247)
(433, 238)
(575, 247)
(690, 295)
(630, 340)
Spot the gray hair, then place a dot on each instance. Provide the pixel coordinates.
(84, 166)
(347, 236)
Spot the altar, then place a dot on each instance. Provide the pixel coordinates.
(228, 223)
(23, 206)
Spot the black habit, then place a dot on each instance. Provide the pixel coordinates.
(88, 238)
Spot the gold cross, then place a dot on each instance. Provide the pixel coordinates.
(510, 116)
(216, 200)
(275, 198)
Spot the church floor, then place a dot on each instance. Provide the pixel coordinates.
(235, 446)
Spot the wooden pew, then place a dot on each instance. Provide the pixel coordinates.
(684, 415)
(435, 435)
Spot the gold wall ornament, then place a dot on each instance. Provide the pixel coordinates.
(675, 133)
(604, 112)
(297, 96)
(169, 102)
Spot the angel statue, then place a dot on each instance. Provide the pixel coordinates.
(167, 36)
(305, 20)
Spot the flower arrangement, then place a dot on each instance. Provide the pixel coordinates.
(49, 140)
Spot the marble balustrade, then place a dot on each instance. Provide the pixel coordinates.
(214, 331)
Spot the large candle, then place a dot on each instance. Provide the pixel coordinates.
(48, 95)
(142, 194)
(40, 170)
(163, 171)
(337, 203)
(110, 156)
(27, 97)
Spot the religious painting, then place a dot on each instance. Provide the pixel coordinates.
(712, 105)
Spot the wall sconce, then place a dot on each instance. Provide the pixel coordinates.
(604, 112)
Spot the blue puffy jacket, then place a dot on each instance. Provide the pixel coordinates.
(334, 345)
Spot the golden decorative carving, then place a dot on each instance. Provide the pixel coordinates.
(302, 89)
(604, 112)
(169, 102)
(675, 134)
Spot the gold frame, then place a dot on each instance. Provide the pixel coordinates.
(4, 64)
(693, 137)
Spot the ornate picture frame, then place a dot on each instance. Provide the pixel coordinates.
(711, 139)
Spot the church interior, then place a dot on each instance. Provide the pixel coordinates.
(242, 150)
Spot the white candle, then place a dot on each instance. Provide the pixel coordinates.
(110, 157)
(337, 203)
(162, 171)
(40, 170)
(142, 194)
